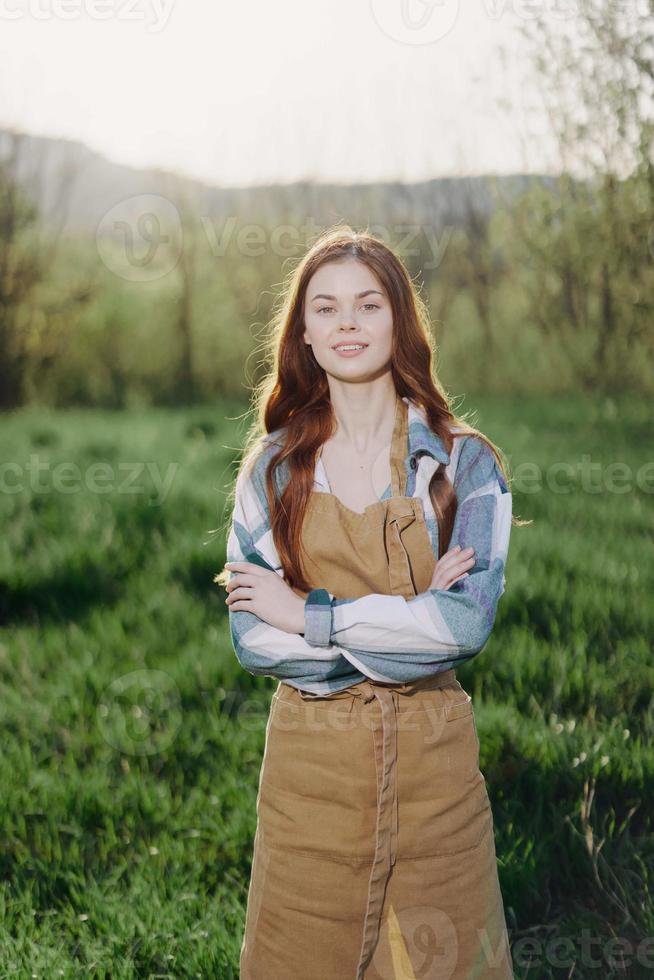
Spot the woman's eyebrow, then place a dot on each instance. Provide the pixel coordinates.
(366, 292)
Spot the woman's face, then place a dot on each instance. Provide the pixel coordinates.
(346, 304)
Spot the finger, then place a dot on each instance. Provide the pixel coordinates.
(455, 568)
(449, 575)
(240, 593)
(457, 553)
(243, 605)
(241, 579)
(449, 581)
(244, 566)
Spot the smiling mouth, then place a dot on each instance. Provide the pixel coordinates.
(349, 346)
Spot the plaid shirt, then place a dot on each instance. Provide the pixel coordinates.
(383, 637)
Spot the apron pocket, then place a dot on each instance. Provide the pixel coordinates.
(444, 806)
(455, 822)
(459, 709)
(317, 786)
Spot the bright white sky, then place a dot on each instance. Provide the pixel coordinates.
(262, 91)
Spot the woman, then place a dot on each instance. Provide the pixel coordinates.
(366, 558)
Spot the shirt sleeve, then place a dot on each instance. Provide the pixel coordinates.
(395, 639)
(259, 647)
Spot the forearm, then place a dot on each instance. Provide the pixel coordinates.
(435, 625)
(398, 669)
(264, 649)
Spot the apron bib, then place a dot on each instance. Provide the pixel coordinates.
(374, 855)
(386, 549)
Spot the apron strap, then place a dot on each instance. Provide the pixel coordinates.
(386, 829)
(399, 443)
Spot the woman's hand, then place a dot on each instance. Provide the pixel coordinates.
(265, 593)
(452, 567)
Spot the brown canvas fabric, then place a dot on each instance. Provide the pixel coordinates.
(374, 855)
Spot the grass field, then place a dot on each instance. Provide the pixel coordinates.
(132, 738)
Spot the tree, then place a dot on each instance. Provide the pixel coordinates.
(32, 326)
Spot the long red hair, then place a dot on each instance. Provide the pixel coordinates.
(295, 393)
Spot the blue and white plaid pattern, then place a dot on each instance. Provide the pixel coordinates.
(383, 637)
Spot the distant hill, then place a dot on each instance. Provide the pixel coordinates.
(74, 187)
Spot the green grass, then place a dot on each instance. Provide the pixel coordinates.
(132, 738)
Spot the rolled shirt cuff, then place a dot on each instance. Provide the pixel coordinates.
(318, 618)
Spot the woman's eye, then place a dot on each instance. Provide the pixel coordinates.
(369, 306)
(373, 306)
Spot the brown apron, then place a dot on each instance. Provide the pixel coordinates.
(374, 855)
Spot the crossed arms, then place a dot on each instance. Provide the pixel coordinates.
(384, 637)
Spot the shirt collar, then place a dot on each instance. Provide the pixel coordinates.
(422, 439)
